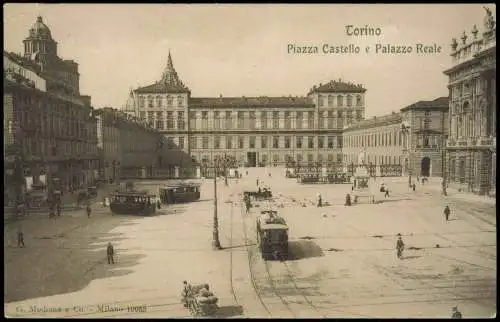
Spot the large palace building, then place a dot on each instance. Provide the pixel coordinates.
(471, 146)
(258, 131)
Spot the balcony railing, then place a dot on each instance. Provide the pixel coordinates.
(471, 143)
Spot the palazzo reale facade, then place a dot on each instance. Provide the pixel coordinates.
(471, 146)
(257, 131)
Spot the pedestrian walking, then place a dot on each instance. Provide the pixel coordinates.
(456, 314)
(400, 245)
(89, 210)
(20, 238)
(447, 212)
(58, 209)
(418, 179)
(348, 200)
(111, 253)
(257, 182)
(414, 186)
(319, 200)
(386, 192)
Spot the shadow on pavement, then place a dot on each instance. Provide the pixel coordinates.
(71, 257)
(300, 249)
(170, 210)
(229, 311)
(390, 200)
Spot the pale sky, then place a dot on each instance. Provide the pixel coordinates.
(241, 50)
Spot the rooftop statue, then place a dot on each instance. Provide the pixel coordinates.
(489, 22)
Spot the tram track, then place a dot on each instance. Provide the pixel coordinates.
(389, 274)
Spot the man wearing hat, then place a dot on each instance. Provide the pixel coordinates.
(456, 313)
(400, 246)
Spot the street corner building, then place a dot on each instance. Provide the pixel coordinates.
(257, 131)
(131, 149)
(471, 145)
(49, 128)
(400, 144)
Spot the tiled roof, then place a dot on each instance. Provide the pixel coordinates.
(250, 101)
(160, 87)
(338, 87)
(441, 102)
(376, 122)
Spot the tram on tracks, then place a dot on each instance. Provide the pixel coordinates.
(179, 193)
(272, 235)
(139, 203)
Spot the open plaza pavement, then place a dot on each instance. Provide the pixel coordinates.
(342, 259)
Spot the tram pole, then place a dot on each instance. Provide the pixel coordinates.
(215, 242)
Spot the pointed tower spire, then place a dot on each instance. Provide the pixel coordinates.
(170, 76)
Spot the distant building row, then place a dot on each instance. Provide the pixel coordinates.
(51, 134)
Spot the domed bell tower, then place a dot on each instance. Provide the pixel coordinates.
(39, 45)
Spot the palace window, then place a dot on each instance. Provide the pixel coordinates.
(427, 123)
(298, 141)
(298, 120)
(170, 120)
(330, 119)
(263, 142)
(321, 142)
(179, 101)
(150, 101)
(287, 142)
(275, 142)
(158, 101)
(276, 120)
(299, 157)
(204, 120)
(180, 120)
(229, 142)
(359, 100)
(216, 142)
(288, 121)
(321, 101)
(241, 142)
(251, 143)
(229, 121)
(349, 100)
(193, 142)
(310, 142)
(340, 101)
(310, 120)
(252, 120)
(321, 120)
(159, 124)
(181, 142)
(263, 120)
(330, 100)
(169, 100)
(241, 116)
(141, 101)
(217, 120)
(192, 120)
(205, 142)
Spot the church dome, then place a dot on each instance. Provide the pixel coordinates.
(39, 29)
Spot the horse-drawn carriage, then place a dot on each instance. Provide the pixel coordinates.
(199, 299)
(261, 194)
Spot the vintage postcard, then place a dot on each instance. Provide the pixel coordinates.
(246, 161)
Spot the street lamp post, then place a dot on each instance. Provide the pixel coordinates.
(215, 241)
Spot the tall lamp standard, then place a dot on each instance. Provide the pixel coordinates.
(405, 128)
(215, 240)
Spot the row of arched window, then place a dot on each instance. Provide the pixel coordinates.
(329, 100)
(158, 101)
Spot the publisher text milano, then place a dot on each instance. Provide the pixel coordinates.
(378, 48)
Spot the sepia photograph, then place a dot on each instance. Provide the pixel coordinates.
(249, 160)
